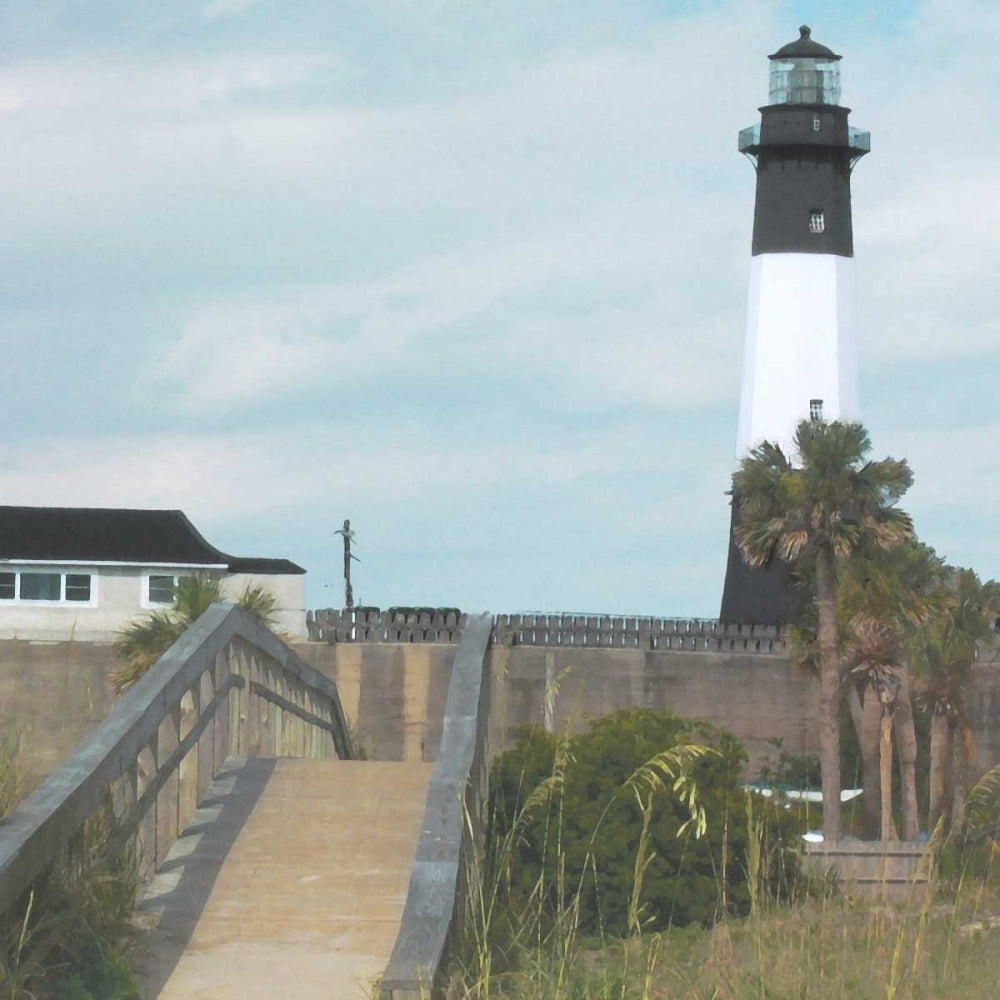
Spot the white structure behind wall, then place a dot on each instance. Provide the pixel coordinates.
(800, 346)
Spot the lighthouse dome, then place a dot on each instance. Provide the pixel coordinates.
(804, 72)
(804, 46)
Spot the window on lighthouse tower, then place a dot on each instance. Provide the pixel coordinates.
(817, 222)
(815, 409)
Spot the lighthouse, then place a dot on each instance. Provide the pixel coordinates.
(800, 351)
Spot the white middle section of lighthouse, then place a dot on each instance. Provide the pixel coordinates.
(800, 345)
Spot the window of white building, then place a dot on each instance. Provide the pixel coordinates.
(158, 589)
(41, 586)
(815, 409)
(77, 586)
(47, 586)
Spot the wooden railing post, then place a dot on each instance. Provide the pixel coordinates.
(206, 742)
(167, 805)
(222, 745)
(187, 770)
(145, 839)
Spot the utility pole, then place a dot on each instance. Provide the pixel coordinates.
(348, 537)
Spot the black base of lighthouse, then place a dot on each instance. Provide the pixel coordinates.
(765, 596)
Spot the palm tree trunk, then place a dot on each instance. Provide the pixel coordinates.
(940, 760)
(959, 771)
(906, 751)
(865, 712)
(829, 684)
(888, 831)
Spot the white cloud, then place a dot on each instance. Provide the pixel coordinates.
(641, 346)
(242, 473)
(121, 90)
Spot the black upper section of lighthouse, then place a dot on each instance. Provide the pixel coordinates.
(803, 151)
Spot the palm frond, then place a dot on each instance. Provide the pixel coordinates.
(835, 498)
(195, 594)
(261, 603)
(982, 805)
(144, 640)
(140, 644)
(793, 544)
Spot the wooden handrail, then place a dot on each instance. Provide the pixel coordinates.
(182, 710)
(450, 845)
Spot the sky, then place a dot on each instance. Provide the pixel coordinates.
(472, 274)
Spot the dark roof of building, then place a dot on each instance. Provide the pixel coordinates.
(99, 534)
(804, 47)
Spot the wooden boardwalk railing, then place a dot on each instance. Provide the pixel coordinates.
(437, 914)
(227, 686)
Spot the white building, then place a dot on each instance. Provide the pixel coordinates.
(82, 573)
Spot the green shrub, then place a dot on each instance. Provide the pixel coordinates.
(586, 831)
(99, 974)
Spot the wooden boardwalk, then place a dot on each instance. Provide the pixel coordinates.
(289, 883)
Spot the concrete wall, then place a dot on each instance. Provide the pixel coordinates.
(55, 693)
(983, 708)
(759, 698)
(394, 694)
(117, 597)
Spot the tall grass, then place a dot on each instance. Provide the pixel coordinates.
(69, 937)
(11, 770)
(800, 939)
(536, 951)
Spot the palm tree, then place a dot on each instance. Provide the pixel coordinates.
(144, 640)
(902, 588)
(874, 659)
(947, 657)
(822, 510)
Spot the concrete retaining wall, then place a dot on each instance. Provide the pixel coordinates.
(394, 693)
(56, 693)
(759, 698)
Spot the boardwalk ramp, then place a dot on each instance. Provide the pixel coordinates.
(289, 882)
(277, 864)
